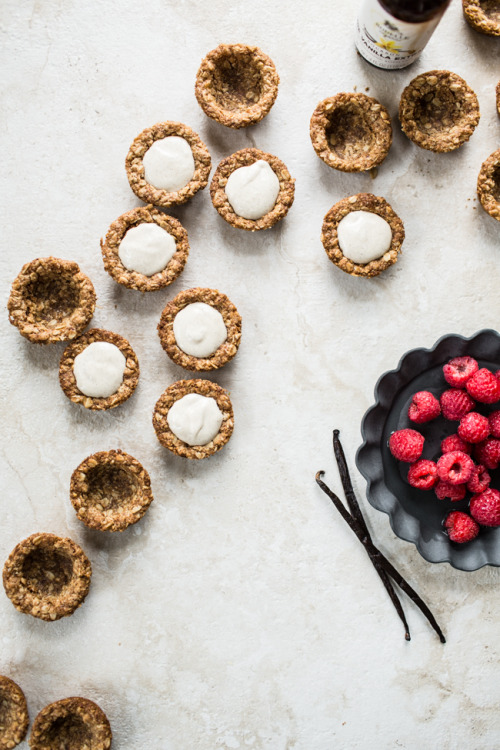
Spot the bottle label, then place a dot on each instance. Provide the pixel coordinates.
(387, 42)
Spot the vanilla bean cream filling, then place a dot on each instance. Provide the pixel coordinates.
(99, 369)
(252, 191)
(195, 419)
(199, 329)
(169, 163)
(364, 236)
(146, 248)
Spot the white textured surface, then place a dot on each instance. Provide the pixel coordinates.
(240, 612)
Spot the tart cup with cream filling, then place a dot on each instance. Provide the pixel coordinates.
(188, 416)
(110, 491)
(47, 576)
(266, 193)
(145, 249)
(488, 185)
(72, 724)
(167, 172)
(103, 377)
(483, 15)
(438, 111)
(372, 204)
(13, 714)
(351, 132)
(236, 85)
(51, 300)
(206, 323)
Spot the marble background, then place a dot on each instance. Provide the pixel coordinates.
(241, 612)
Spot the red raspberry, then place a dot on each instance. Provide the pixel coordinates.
(474, 428)
(488, 453)
(484, 386)
(455, 404)
(423, 474)
(494, 420)
(479, 481)
(452, 491)
(424, 407)
(459, 370)
(485, 507)
(460, 527)
(455, 467)
(455, 443)
(406, 445)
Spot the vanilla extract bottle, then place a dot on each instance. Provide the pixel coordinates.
(391, 34)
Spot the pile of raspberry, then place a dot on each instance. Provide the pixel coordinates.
(468, 456)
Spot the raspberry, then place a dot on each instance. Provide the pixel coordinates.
(474, 428)
(455, 443)
(460, 527)
(424, 407)
(488, 453)
(494, 420)
(406, 445)
(485, 507)
(479, 481)
(455, 404)
(455, 467)
(484, 386)
(452, 491)
(459, 370)
(423, 474)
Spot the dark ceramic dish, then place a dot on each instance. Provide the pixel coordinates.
(416, 515)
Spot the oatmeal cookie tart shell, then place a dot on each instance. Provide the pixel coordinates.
(135, 167)
(133, 279)
(172, 394)
(438, 111)
(73, 723)
(47, 576)
(232, 321)
(110, 491)
(351, 132)
(13, 714)
(67, 377)
(244, 158)
(497, 96)
(482, 16)
(51, 300)
(488, 185)
(236, 85)
(361, 202)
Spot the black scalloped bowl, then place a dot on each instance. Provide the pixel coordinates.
(416, 515)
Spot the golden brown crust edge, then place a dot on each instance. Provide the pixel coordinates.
(79, 713)
(477, 19)
(488, 185)
(13, 713)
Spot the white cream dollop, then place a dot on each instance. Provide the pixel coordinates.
(252, 190)
(195, 419)
(99, 369)
(199, 329)
(364, 236)
(146, 248)
(169, 163)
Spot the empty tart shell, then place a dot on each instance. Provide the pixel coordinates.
(67, 378)
(236, 85)
(361, 202)
(232, 321)
(13, 714)
(244, 158)
(47, 576)
(134, 279)
(135, 166)
(71, 723)
(483, 15)
(438, 111)
(488, 185)
(351, 132)
(51, 300)
(110, 491)
(497, 93)
(178, 390)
